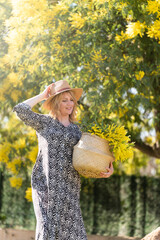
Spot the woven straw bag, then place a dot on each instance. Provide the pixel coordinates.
(91, 155)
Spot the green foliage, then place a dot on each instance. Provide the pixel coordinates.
(121, 205)
(16, 211)
(109, 48)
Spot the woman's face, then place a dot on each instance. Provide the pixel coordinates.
(66, 104)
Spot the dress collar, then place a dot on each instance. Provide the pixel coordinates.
(57, 121)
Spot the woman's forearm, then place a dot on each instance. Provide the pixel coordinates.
(34, 100)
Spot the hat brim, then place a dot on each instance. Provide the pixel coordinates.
(77, 93)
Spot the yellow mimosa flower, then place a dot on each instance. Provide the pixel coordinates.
(139, 75)
(15, 182)
(118, 141)
(28, 195)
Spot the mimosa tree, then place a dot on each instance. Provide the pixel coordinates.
(110, 48)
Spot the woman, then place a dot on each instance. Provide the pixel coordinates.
(55, 183)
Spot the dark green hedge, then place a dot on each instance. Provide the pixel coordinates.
(120, 205)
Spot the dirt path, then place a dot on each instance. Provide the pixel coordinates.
(93, 237)
(17, 234)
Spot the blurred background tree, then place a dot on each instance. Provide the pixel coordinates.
(110, 48)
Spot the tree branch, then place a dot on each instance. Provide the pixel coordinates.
(151, 151)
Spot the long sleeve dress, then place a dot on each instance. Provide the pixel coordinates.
(55, 183)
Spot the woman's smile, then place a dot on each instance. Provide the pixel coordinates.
(66, 104)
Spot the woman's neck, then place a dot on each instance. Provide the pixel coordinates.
(64, 120)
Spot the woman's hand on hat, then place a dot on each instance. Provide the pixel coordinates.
(46, 93)
(110, 170)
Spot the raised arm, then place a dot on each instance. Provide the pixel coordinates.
(24, 112)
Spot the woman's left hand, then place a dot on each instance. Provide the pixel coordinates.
(109, 173)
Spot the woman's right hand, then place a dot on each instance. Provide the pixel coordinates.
(46, 93)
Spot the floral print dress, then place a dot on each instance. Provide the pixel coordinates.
(55, 183)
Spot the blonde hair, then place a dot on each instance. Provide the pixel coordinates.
(54, 104)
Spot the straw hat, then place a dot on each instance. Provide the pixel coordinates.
(59, 87)
(91, 155)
